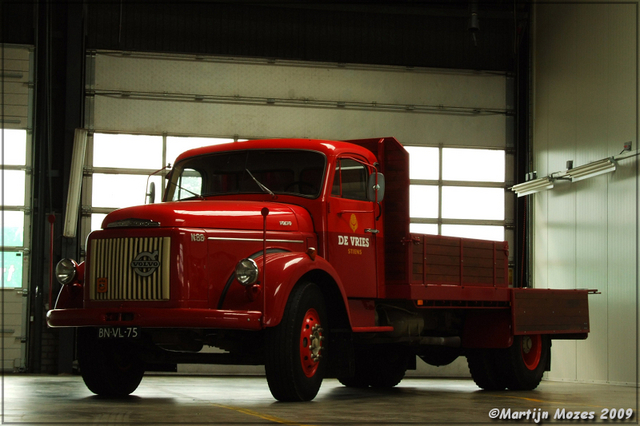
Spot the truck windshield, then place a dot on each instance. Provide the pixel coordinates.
(293, 172)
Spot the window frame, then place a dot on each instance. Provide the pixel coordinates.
(89, 211)
(23, 250)
(441, 183)
(338, 174)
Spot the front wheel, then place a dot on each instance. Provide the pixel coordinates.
(109, 368)
(296, 349)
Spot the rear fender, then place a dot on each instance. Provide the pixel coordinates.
(284, 271)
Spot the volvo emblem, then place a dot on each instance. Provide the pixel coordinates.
(145, 263)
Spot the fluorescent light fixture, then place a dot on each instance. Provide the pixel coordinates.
(533, 186)
(75, 183)
(606, 165)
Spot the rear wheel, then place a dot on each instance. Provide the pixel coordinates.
(377, 366)
(109, 368)
(296, 348)
(526, 361)
(519, 367)
(485, 366)
(389, 367)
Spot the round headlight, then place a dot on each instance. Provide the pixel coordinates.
(247, 272)
(66, 271)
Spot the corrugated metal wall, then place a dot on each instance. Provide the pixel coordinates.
(585, 233)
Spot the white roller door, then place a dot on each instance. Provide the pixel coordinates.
(240, 98)
(223, 97)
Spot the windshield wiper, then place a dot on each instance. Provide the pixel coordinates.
(264, 188)
(190, 192)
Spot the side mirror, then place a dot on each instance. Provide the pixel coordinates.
(151, 195)
(375, 186)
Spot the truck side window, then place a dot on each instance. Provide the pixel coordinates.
(189, 185)
(350, 180)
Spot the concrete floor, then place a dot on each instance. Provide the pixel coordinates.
(238, 400)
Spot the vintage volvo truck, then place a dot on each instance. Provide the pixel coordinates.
(296, 254)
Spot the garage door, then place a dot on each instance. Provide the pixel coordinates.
(166, 100)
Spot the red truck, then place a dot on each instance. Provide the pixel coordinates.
(296, 254)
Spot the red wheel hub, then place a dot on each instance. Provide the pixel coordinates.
(531, 348)
(310, 342)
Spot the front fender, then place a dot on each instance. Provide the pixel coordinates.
(284, 271)
(71, 295)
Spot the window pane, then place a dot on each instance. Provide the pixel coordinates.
(178, 145)
(121, 190)
(12, 269)
(423, 228)
(423, 201)
(480, 232)
(423, 163)
(15, 147)
(459, 202)
(96, 220)
(474, 165)
(127, 151)
(12, 228)
(13, 187)
(189, 185)
(354, 180)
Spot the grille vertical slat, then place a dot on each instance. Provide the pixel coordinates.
(154, 278)
(112, 264)
(128, 271)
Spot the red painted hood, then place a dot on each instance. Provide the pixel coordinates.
(245, 215)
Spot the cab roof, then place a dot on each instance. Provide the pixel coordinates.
(328, 148)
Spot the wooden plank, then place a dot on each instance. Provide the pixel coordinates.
(443, 269)
(478, 263)
(478, 253)
(550, 310)
(430, 250)
(442, 279)
(443, 260)
(440, 240)
(478, 272)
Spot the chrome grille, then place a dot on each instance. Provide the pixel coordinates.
(130, 268)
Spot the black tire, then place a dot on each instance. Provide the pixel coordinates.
(377, 366)
(526, 361)
(486, 368)
(296, 349)
(109, 368)
(389, 367)
(361, 372)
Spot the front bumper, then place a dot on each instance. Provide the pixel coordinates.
(156, 318)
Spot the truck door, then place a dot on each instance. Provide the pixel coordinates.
(351, 225)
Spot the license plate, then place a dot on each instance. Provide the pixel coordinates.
(118, 332)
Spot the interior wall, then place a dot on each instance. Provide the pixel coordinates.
(585, 96)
